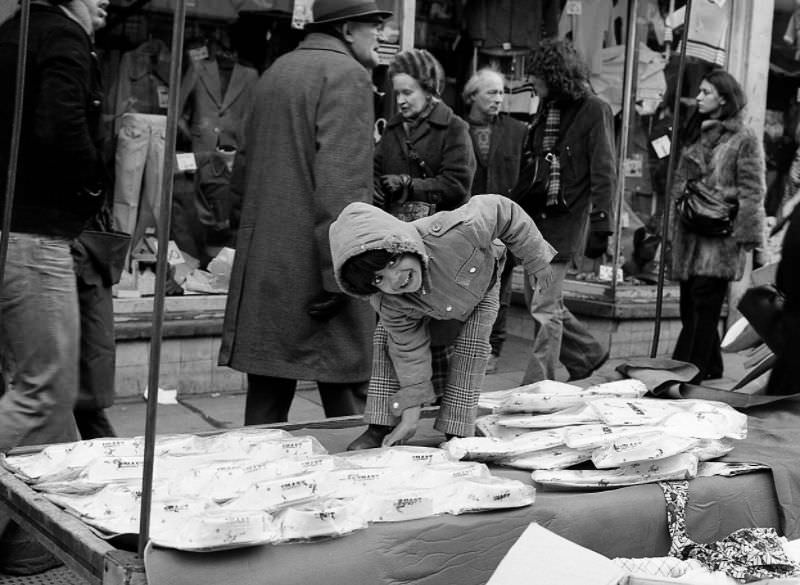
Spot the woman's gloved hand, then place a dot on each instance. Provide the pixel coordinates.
(326, 305)
(405, 429)
(395, 183)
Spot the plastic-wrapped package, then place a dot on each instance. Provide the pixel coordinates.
(489, 426)
(489, 493)
(63, 461)
(277, 493)
(706, 419)
(353, 482)
(108, 502)
(677, 467)
(441, 474)
(397, 456)
(648, 446)
(555, 458)
(403, 503)
(708, 449)
(599, 435)
(492, 400)
(576, 415)
(625, 411)
(490, 448)
(215, 530)
(321, 518)
(552, 401)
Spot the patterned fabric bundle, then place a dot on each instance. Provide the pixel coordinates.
(747, 554)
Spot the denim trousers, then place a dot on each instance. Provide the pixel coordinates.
(558, 335)
(39, 341)
(139, 169)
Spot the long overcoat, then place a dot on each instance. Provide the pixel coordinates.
(309, 153)
(729, 158)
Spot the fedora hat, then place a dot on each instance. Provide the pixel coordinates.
(328, 11)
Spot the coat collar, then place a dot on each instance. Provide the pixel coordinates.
(441, 115)
(317, 41)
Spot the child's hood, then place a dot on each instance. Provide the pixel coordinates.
(361, 227)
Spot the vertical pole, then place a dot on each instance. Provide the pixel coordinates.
(628, 93)
(164, 222)
(673, 151)
(16, 132)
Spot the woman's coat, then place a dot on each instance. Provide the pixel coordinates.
(729, 158)
(442, 141)
(309, 154)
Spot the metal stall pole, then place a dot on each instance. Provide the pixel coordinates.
(631, 69)
(178, 26)
(676, 115)
(16, 132)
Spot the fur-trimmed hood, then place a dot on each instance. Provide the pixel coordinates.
(361, 227)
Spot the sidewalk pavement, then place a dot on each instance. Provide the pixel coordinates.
(194, 414)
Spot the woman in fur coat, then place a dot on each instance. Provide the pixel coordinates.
(727, 158)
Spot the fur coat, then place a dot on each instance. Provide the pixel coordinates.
(729, 158)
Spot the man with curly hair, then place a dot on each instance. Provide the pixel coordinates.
(573, 127)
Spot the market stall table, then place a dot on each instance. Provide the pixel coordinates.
(628, 522)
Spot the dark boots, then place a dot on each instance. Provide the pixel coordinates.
(371, 438)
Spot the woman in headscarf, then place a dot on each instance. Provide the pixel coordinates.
(424, 161)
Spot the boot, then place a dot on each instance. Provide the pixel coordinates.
(371, 438)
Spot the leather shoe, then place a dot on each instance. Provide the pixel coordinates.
(587, 373)
(372, 438)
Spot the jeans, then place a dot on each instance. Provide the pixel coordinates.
(39, 340)
(558, 335)
(139, 169)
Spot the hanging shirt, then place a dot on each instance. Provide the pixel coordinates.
(707, 32)
(589, 30)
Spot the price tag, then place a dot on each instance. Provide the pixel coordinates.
(606, 270)
(199, 53)
(633, 167)
(186, 161)
(574, 7)
(163, 96)
(174, 254)
(661, 145)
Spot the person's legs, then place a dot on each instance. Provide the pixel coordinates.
(546, 307)
(498, 335)
(709, 295)
(683, 346)
(39, 335)
(268, 399)
(580, 352)
(93, 423)
(459, 403)
(343, 399)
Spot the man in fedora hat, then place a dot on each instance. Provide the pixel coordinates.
(309, 151)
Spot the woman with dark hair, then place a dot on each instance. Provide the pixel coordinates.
(726, 159)
(573, 129)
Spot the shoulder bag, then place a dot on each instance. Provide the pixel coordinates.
(703, 211)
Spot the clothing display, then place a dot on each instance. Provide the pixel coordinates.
(589, 30)
(139, 168)
(142, 82)
(216, 97)
(707, 32)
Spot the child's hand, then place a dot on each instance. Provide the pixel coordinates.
(406, 429)
(543, 278)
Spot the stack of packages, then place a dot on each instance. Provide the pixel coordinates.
(257, 486)
(549, 426)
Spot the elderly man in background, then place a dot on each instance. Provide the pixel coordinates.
(310, 150)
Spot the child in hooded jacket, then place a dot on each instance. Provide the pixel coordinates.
(417, 274)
